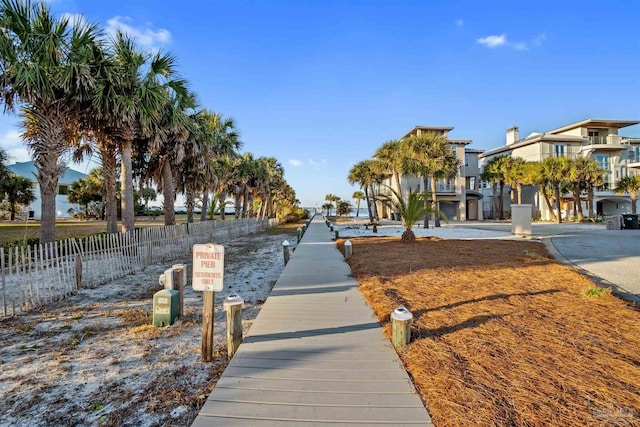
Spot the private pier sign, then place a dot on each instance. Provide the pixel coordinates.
(208, 267)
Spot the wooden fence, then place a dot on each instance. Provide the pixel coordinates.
(32, 276)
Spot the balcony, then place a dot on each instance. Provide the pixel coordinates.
(605, 143)
(634, 161)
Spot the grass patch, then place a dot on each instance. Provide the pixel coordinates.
(595, 292)
(502, 334)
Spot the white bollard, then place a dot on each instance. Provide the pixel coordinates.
(348, 249)
(401, 327)
(285, 251)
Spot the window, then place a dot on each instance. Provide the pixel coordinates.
(559, 150)
(63, 190)
(471, 183)
(603, 161)
(466, 159)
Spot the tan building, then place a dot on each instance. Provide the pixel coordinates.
(619, 156)
(460, 195)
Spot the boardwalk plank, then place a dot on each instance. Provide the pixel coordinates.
(315, 355)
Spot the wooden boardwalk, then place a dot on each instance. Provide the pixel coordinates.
(315, 355)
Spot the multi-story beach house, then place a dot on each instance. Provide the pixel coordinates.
(599, 139)
(460, 195)
(29, 171)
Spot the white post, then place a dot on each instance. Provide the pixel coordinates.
(285, 251)
(348, 249)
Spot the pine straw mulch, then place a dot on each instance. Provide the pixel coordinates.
(503, 334)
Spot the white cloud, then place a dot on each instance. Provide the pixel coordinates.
(493, 41)
(12, 143)
(146, 37)
(540, 38)
(75, 19)
(520, 46)
(459, 23)
(294, 162)
(321, 162)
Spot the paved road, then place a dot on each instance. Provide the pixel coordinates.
(611, 256)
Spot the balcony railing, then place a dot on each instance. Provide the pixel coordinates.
(606, 140)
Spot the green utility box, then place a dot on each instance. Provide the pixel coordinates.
(166, 307)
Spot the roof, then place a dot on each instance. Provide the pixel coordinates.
(597, 123)
(29, 171)
(427, 128)
(553, 135)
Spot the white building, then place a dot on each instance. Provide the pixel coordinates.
(29, 171)
(618, 155)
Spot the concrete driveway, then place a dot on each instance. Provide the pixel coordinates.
(610, 257)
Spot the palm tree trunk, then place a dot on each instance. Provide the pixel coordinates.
(501, 199)
(109, 174)
(238, 202)
(245, 201)
(205, 206)
(358, 208)
(375, 207)
(397, 177)
(577, 202)
(190, 201)
(434, 203)
(49, 172)
(494, 198)
(543, 190)
(558, 203)
(634, 200)
(221, 199)
(590, 197)
(126, 184)
(168, 192)
(426, 203)
(519, 189)
(366, 196)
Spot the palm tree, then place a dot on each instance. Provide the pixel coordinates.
(224, 144)
(593, 178)
(557, 172)
(581, 172)
(430, 156)
(410, 211)
(331, 198)
(364, 174)
(18, 191)
(390, 158)
(631, 185)
(357, 196)
(515, 176)
(327, 207)
(133, 100)
(47, 66)
(494, 172)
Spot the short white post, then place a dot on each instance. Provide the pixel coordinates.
(348, 249)
(299, 230)
(233, 307)
(401, 327)
(285, 251)
(336, 234)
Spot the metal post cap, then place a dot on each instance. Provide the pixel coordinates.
(285, 243)
(233, 299)
(401, 313)
(347, 243)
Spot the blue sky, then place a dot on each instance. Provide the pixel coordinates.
(320, 85)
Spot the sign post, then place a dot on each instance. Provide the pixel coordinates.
(208, 275)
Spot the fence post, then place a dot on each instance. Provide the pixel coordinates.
(207, 325)
(285, 251)
(401, 327)
(233, 308)
(78, 266)
(348, 249)
(299, 230)
(178, 273)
